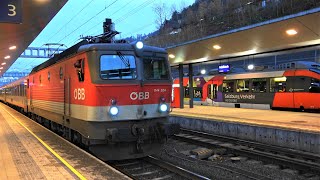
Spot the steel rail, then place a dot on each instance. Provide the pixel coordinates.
(176, 169)
(254, 154)
(257, 145)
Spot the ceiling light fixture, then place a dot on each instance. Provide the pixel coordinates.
(7, 57)
(172, 56)
(12, 47)
(4, 63)
(1, 67)
(250, 66)
(216, 47)
(291, 32)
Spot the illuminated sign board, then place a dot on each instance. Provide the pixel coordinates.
(224, 68)
(11, 11)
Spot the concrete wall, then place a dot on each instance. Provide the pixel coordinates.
(303, 141)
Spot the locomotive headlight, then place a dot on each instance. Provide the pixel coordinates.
(163, 107)
(114, 110)
(139, 45)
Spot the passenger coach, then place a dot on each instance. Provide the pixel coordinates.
(295, 88)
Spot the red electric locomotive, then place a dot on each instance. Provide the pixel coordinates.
(297, 87)
(113, 98)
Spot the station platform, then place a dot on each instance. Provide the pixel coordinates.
(296, 130)
(30, 151)
(302, 121)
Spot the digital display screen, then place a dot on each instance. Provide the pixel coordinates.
(224, 68)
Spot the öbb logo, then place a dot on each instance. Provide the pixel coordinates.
(79, 94)
(139, 95)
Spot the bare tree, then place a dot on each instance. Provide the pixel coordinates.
(161, 12)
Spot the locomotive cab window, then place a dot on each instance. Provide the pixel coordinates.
(118, 66)
(155, 69)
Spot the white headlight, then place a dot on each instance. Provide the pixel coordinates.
(114, 110)
(163, 108)
(139, 45)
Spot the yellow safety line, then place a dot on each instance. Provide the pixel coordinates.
(50, 149)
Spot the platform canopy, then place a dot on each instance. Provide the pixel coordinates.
(20, 23)
(297, 30)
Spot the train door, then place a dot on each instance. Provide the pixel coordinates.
(212, 91)
(302, 98)
(289, 91)
(67, 96)
(283, 88)
(30, 93)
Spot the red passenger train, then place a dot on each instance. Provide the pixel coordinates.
(113, 98)
(294, 88)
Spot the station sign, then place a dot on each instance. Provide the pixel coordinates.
(10, 11)
(224, 68)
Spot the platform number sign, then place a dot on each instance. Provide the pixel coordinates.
(11, 11)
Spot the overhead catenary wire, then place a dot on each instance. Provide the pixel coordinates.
(134, 11)
(100, 22)
(87, 21)
(125, 16)
(85, 6)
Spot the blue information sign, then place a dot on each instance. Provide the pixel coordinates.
(224, 68)
(11, 11)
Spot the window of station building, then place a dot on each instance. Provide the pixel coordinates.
(278, 84)
(118, 66)
(48, 76)
(40, 79)
(259, 85)
(228, 86)
(243, 85)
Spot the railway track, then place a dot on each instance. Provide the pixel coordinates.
(286, 158)
(154, 168)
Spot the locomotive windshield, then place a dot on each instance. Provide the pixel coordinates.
(155, 69)
(118, 66)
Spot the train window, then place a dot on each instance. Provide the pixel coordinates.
(27, 83)
(228, 86)
(79, 65)
(118, 66)
(278, 84)
(155, 69)
(259, 85)
(186, 92)
(243, 85)
(314, 86)
(48, 76)
(197, 92)
(61, 73)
